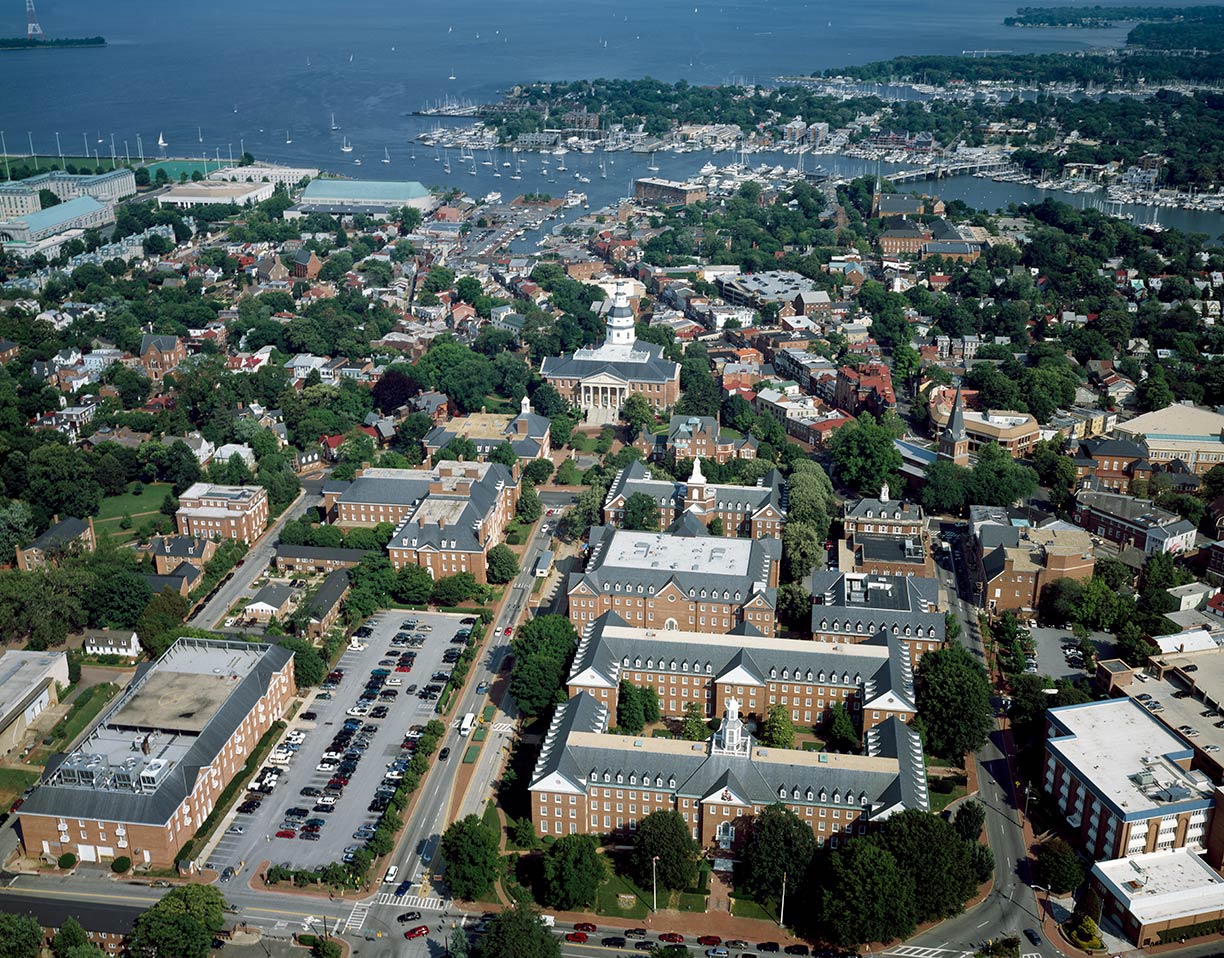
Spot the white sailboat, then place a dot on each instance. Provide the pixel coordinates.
(161, 140)
(346, 146)
(334, 126)
(518, 170)
(446, 165)
(200, 133)
(603, 170)
(288, 138)
(452, 74)
(652, 165)
(386, 155)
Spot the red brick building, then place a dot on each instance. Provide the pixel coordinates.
(866, 388)
(589, 782)
(146, 777)
(160, 355)
(223, 512)
(668, 582)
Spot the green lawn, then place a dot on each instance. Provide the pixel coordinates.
(487, 713)
(491, 820)
(941, 800)
(607, 901)
(128, 504)
(174, 168)
(14, 781)
(470, 755)
(747, 908)
(480, 734)
(690, 901)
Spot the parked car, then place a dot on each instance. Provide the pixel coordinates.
(409, 916)
(586, 926)
(419, 931)
(286, 833)
(577, 937)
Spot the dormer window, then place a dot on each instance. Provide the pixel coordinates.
(824, 796)
(837, 798)
(633, 778)
(620, 778)
(795, 793)
(808, 795)
(781, 792)
(671, 782)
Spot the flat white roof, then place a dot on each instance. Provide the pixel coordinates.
(1177, 423)
(659, 550)
(1191, 640)
(1161, 886)
(1120, 750)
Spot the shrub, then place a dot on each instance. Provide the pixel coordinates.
(66, 860)
(121, 865)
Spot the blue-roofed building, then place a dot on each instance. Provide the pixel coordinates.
(46, 230)
(371, 197)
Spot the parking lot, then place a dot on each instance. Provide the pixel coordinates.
(1052, 660)
(258, 840)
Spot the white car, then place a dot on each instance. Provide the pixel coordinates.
(394, 683)
(327, 766)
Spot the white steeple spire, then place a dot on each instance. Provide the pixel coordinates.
(525, 406)
(621, 319)
(697, 479)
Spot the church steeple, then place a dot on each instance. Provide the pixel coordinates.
(620, 319)
(953, 441)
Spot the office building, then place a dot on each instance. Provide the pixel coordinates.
(30, 683)
(1180, 431)
(658, 580)
(145, 778)
(856, 606)
(223, 512)
(589, 782)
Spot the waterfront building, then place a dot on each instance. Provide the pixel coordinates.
(23, 196)
(149, 773)
(375, 198)
(599, 379)
(46, 231)
(668, 192)
(216, 193)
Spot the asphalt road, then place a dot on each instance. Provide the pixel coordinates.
(257, 559)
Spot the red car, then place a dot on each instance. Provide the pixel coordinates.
(671, 937)
(709, 940)
(586, 926)
(286, 833)
(578, 937)
(420, 931)
(403, 668)
(509, 632)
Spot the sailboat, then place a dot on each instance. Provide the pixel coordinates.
(161, 140)
(603, 170)
(335, 125)
(446, 165)
(452, 74)
(288, 138)
(386, 155)
(472, 171)
(346, 146)
(518, 170)
(200, 133)
(652, 165)
(489, 161)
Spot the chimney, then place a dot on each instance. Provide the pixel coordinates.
(145, 745)
(441, 523)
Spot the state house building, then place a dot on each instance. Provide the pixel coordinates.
(873, 679)
(855, 606)
(693, 582)
(599, 380)
(589, 782)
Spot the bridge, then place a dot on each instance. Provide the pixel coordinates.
(946, 169)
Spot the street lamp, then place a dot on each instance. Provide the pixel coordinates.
(654, 882)
(782, 907)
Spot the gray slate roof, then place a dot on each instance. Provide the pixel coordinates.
(603, 653)
(59, 535)
(636, 477)
(868, 604)
(650, 368)
(156, 808)
(761, 777)
(330, 593)
(320, 552)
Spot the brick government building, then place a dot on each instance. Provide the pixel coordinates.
(223, 512)
(598, 380)
(587, 781)
(447, 519)
(149, 773)
(756, 511)
(874, 679)
(691, 582)
(856, 607)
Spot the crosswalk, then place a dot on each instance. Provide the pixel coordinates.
(412, 901)
(915, 951)
(502, 727)
(356, 917)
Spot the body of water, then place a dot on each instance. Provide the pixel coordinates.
(269, 75)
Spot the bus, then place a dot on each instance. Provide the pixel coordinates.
(466, 725)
